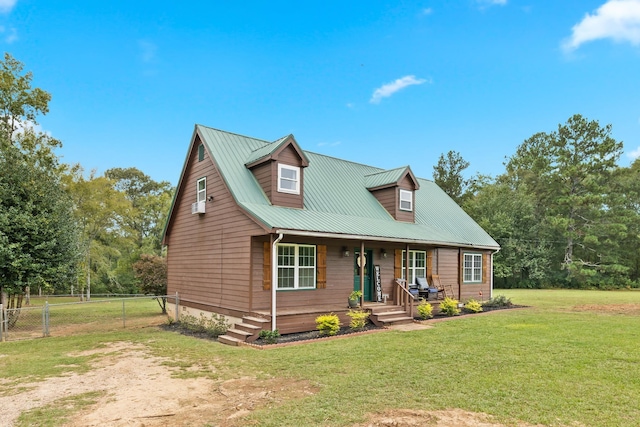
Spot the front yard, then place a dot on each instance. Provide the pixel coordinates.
(569, 360)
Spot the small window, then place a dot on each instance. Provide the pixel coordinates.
(406, 200)
(200, 152)
(288, 179)
(202, 189)
(472, 268)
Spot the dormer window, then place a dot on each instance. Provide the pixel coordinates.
(406, 200)
(288, 179)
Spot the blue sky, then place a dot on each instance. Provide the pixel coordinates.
(377, 82)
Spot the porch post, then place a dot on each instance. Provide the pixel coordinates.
(363, 260)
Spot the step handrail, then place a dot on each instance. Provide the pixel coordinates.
(404, 296)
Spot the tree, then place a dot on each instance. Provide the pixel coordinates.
(37, 232)
(569, 172)
(151, 273)
(448, 175)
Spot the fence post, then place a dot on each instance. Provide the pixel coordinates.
(45, 319)
(124, 316)
(1, 322)
(177, 303)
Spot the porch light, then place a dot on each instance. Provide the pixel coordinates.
(345, 252)
(383, 253)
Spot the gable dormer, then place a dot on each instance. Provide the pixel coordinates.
(279, 169)
(395, 190)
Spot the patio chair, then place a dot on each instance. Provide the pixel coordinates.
(442, 293)
(425, 289)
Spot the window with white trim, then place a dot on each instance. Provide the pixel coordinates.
(201, 192)
(417, 265)
(296, 266)
(472, 268)
(406, 200)
(288, 179)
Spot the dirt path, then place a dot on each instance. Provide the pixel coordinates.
(139, 391)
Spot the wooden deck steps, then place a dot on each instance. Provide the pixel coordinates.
(246, 331)
(389, 315)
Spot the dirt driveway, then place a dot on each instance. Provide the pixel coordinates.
(135, 390)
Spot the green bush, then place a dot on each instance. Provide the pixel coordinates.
(498, 301)
(449, 306)
(425, 310)
(270, 337)
(214, 326)
(473, 306)
(328, 324)
(359, 319)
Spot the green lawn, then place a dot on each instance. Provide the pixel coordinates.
(563, 361)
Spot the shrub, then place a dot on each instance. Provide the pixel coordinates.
(473, 306)
(270, 337)
(328, 324)
(498, 301)
(425, 310)
(449, 306)
(214, 326)
(359, 318)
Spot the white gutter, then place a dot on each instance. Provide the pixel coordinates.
(382, 239)
(274, 279)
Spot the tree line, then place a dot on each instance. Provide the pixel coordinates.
(564, 212)
(63, 230)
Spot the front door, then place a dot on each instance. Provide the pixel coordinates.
(368, 273)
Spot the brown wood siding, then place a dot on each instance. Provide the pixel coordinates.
(387, 198)
(263, 176)
(286, 199)
(289, 156)
(447, 268)
(339, 275)
(208, 254)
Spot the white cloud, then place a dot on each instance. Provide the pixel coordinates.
(147, 50)
(10, 35)
(389, 89)
(618, 20)
(7, 5)
(634, 154)
(487, 3)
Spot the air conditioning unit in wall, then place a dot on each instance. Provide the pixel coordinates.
(197, 208)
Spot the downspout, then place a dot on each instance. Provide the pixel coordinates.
(274, 279)
(491, 281)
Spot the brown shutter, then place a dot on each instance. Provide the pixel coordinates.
(397, 266)
(485, 267)
(321, 261)
(266, 266)
(460, 266)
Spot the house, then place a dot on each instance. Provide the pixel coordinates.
(272, 236)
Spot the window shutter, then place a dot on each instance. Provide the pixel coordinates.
(321, 261)
(460, 266)
(266, 266)
(397, 266)
(485, 267)
(429, 264)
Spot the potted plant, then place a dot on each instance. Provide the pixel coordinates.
(354, 298)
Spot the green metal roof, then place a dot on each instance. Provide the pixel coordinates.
(336, 198)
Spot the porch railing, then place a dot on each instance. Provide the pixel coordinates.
(404, 297)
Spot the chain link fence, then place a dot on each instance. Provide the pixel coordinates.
(69, 316)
